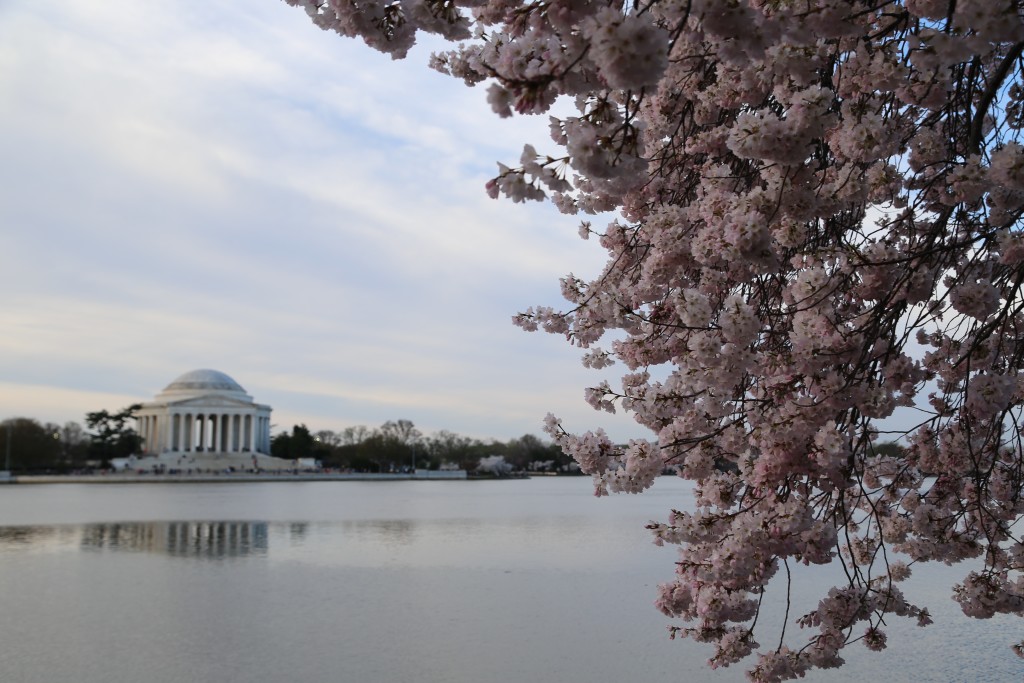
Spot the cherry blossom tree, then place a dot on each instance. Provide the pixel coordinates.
(817, 226)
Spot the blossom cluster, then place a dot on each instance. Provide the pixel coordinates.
(818, 225)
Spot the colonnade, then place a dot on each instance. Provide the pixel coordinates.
(207, 431)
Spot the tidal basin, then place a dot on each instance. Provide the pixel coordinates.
(391, 582)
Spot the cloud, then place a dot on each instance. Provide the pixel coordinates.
(223, 185)
(37, 401)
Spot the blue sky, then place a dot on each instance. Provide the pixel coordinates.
(223, 185)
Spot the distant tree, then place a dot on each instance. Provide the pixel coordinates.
(303, 444)
(345, 449)
(528, 448)
(299, 444)
(33, 446)
(396, 443)
(74, 443)
(402, 431)
(449, 447)
(361, 463)
(280, 445)
(327, 438)
(354, 435)
(111, 437)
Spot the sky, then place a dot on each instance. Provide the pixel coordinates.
(222, 185)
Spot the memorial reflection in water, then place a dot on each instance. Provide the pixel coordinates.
(220, 539)
(209, 540)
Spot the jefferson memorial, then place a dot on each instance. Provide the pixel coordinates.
(205, 419)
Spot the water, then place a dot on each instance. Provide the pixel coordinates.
(389, 582)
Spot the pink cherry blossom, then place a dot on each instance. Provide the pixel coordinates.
(819, 226)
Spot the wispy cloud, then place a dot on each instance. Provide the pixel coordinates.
(223, 185)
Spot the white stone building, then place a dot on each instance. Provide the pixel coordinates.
(204, 412)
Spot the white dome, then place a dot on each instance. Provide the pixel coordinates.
(203, 383)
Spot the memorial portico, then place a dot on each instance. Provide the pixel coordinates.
(204, 411)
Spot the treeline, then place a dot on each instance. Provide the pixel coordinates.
(397, 446)
(27, 445)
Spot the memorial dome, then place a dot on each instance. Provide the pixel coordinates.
(203, 383)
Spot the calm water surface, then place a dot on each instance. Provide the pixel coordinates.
(386, 582)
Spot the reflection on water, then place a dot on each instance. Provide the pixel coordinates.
(503, 582)
(462, 542)
(24, 536)
(398, 531)
(205, 540)
(297, 530)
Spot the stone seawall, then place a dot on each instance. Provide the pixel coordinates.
(228, 478)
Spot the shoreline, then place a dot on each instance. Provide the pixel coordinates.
(229, 478)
